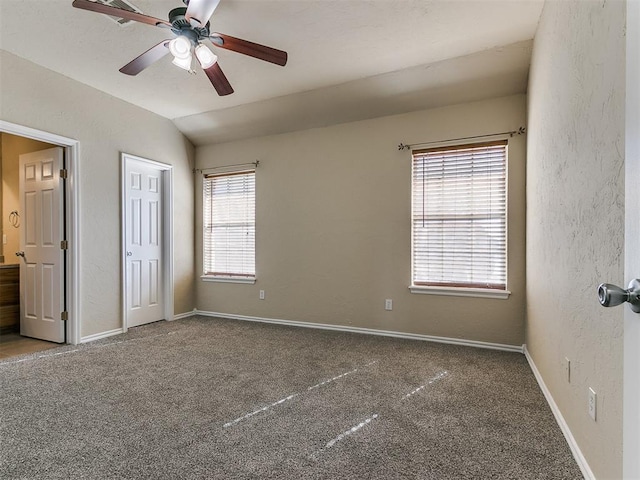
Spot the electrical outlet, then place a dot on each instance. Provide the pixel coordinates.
(261, 294)
(388, 304)
(4, 238)
(592, 404)
(567, 369)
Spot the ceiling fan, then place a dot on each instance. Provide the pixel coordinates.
(190, 26)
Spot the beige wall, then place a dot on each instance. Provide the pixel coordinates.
(333, 226)
(105, 127)
(575, 219)
(12, 147)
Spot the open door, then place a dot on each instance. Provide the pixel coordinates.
(41, 248)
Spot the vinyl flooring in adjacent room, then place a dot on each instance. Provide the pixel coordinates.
(12, 344)
(205, 398)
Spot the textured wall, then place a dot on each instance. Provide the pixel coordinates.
(575, 216)
(333, 226)
(105, 127)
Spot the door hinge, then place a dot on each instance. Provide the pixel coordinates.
(64, 244)
(63, 173)
(64, 316)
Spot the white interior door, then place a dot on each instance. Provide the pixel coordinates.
(631, 377)
(143, 224)
(41, 231)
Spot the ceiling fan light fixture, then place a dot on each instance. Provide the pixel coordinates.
(180, 47)
(205, 56)
(189, 26)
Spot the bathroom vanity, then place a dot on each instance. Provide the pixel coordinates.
(9, 298)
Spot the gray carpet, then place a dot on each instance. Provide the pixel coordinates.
(221, 399)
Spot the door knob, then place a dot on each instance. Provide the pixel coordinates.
(612, 295)
(20, 254)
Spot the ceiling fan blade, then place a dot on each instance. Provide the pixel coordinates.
(246, 47)
(219, 80)
(201, 10)
(152, 55)
(118, 12)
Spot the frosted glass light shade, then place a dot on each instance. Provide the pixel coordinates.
(205, 56)
(183, 62)
(180, 47)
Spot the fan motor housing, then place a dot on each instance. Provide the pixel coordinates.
(181, 26)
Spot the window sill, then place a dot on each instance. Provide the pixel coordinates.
(461, 292)
(213, 278)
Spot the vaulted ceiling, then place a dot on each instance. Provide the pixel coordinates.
(348, 59)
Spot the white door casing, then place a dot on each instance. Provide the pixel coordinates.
(41, 231)
(72, 160)
(147, 289)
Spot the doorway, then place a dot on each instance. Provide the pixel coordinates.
(68, 210)
(147, 246)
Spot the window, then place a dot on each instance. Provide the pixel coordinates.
(459, 221)
(230, 226)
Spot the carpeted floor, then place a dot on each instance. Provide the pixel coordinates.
(221, 399)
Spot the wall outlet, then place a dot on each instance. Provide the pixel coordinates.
(261, 294)
(4, 238)
(567, 369)
(592, 405)
(388, 304)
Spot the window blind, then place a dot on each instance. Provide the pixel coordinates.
(459, 223)
(229, 224)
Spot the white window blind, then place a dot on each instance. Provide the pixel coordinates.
(229, 224)
(459, 216)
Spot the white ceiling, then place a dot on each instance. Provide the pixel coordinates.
(348, 59)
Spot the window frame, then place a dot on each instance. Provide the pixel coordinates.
(225, 277)
(453, 289)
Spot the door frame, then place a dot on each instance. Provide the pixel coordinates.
(167, 234)
(631, 367)
(72, 213)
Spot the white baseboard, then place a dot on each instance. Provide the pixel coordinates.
(118, 331)
(180, 316)
(368, 331)
(573, 445)
(98, 336)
